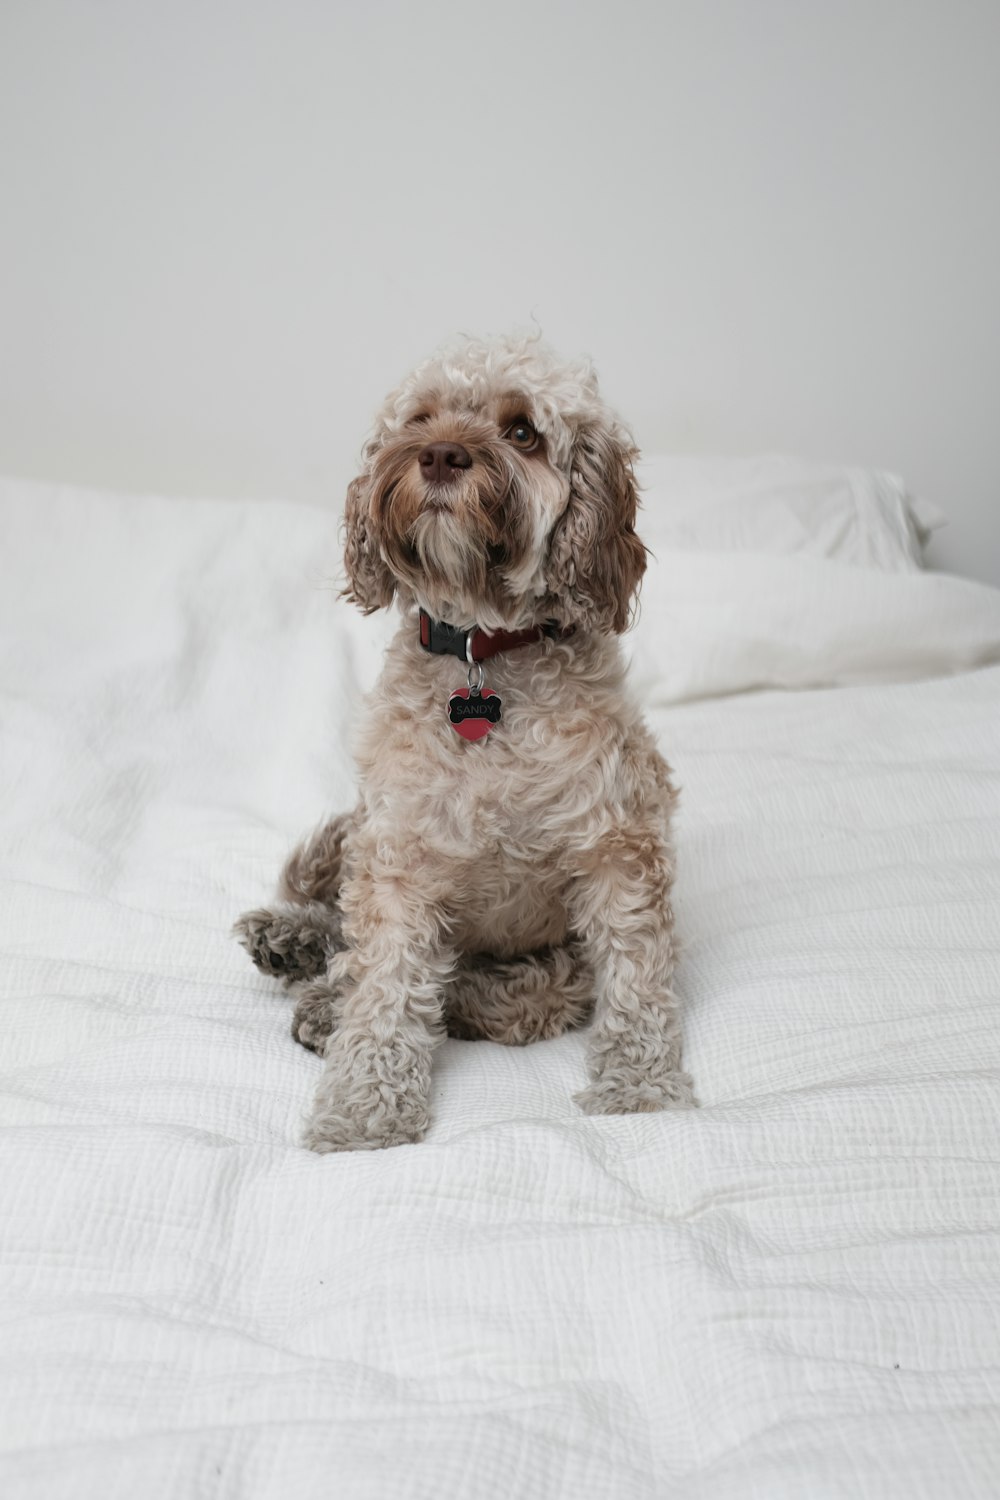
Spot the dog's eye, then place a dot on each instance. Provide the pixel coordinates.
(522, 435)
(421, 416)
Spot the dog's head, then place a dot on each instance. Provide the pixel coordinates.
(497, 490)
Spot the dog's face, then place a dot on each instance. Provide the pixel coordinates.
(497, 490)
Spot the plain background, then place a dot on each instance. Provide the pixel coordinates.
(228, 228)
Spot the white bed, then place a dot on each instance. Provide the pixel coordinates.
(791, 1292)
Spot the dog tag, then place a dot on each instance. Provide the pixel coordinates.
(473, 715)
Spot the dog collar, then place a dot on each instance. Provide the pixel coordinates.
(479, 645)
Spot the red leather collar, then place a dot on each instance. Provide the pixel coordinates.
(478, 645)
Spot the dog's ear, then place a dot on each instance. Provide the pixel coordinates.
(596, 561)
(370, 584)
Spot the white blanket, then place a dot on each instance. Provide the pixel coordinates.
(791, 1292)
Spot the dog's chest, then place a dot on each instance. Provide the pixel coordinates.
(463, 796)
(498, 827)
(535, 784)
(490, 816)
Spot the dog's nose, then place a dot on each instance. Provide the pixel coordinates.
(440, 463)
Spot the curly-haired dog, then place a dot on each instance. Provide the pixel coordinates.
(507, 870)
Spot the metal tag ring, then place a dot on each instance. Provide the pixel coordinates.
(476, 667)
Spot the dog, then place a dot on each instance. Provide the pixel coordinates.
(507, 871)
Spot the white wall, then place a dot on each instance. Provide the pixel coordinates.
(227, 228)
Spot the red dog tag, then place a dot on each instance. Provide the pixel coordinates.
(473, 715)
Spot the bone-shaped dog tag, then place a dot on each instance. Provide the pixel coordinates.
(473, 715)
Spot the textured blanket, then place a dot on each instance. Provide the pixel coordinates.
(793, 1291)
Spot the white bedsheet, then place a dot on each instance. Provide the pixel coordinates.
(792, 1292)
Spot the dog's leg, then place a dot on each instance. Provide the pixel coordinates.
(315, 870)
(620, 906)
(388, 989)
(519, 1000)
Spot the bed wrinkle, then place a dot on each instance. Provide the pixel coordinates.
(255, 986)
(103, 1113)
(105, 899)
(908, 1373)
(844, 1289)
(81, 1308)
(822, 918)
(835, 1088)
(419, 1411)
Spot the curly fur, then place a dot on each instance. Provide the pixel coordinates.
(512, 887)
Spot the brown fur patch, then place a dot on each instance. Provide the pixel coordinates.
(596, 560)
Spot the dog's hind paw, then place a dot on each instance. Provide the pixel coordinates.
(289, 947)
(316, 1016)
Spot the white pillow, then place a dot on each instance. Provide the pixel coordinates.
(781, 505)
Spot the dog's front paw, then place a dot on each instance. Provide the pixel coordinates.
(369, 1097)
(368, 1124)
(285, 947)
(629, 1093)
(342, 1132)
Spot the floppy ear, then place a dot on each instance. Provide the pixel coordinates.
(370, 584)
(596, 561)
